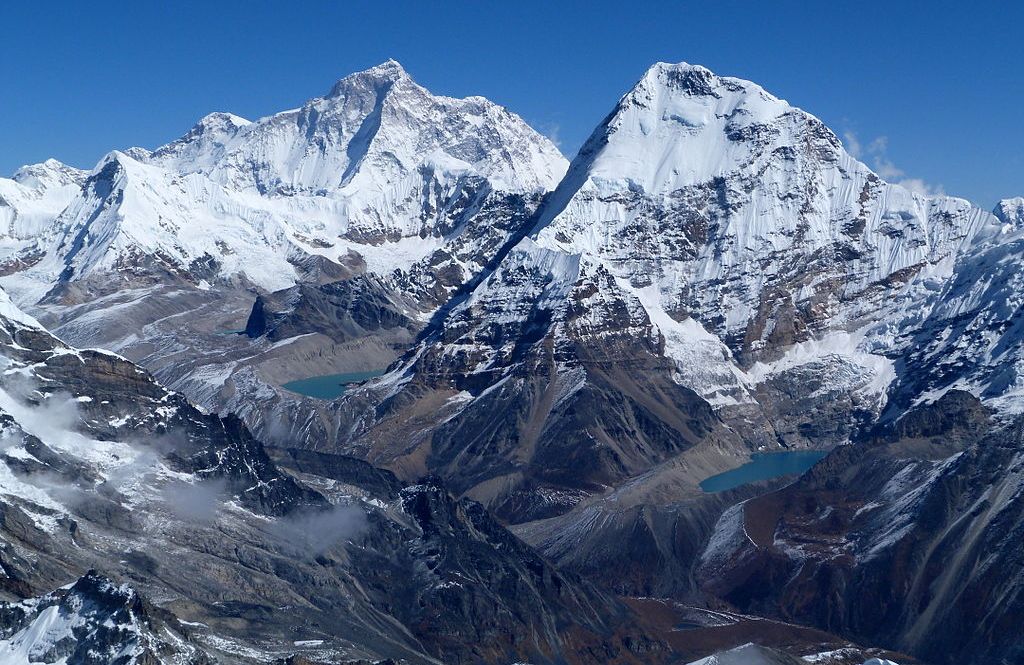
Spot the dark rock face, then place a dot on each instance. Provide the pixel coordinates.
(611, 429)
(489, 227)
(341, 310)
(257, 323)
(356, 472)
(469, 601)
(559, 404)
(637, 542)
(900, 540)
(807, 407)
(95, 622)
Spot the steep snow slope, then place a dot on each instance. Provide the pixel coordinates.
(29, 202)
(379, 167)
(718, 201)
(709, 237)
(972, 339)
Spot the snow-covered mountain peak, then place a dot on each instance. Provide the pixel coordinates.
(1011, 211)
(34, 196)
(695, 97)
(369, 135)
(108, 173)
(692, 80)
(710, 198)
(217, 123)
(115, 157)
(201, 146)
(222, 118)
(681, 125)
(48, 174)
(381, 162)
(683, 132)
(380, 77)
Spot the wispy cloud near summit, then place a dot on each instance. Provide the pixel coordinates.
(876, 155)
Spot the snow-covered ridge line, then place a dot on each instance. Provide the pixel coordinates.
(378, 109)
(34, 197)
(712, 224)
(378, 171)
(708, 196)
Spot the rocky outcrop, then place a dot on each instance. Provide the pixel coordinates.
(94, 622)
(538, 402)
(343, 311)
(472, 613)
(902, 540)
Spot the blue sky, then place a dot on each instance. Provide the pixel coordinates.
(934, 95)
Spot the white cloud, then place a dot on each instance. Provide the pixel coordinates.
(876, 154)
(852, 145)
(919, 186)
(316, 531)
(552, 131)
(887, 170)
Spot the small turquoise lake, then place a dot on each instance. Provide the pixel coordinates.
(329, 386)
(763, 466)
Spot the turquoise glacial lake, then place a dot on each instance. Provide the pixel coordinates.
(329, 386)
(763, 466)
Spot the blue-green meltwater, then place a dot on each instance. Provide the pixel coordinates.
(763, 466)
(329, 386)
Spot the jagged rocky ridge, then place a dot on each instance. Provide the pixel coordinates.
(103, 469)
(94, 622)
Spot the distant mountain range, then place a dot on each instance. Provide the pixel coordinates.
(565, 350)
